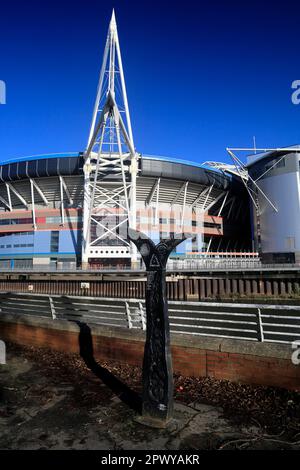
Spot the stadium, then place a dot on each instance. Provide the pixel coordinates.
(73, 210)
(72, 280)
(42, 200)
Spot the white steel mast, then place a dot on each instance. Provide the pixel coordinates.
(111, 164)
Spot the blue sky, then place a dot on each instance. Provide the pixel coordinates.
(200, 76)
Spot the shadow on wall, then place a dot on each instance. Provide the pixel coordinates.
(124, 393)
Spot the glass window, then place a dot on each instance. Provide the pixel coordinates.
(54, 241)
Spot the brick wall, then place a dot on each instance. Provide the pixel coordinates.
(235, 360)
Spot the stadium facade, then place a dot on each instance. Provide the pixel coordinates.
(42, 198)
(276, 225)
(74, 209)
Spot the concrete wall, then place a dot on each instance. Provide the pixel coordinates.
(235, 360)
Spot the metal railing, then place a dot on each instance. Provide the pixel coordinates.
(253, 322)
(178, 266)
(246, 263)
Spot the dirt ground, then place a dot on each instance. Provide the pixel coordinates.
(51, 400)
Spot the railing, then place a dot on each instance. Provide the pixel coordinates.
(253, 322)
(179, 266)
(204, 264)
(63, 269)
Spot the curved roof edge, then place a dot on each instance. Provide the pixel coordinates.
(172, 160)
(183, 170)
(78, 154)
(71, 163)
(42, 166)
(41, 157)
(254, 159)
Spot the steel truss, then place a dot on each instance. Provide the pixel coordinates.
(111, 162)
(250, 184)
(239, 169)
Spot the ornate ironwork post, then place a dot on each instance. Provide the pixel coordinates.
(157, 399)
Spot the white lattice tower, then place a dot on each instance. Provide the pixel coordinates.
(111, 164)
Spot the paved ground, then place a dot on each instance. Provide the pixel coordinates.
(50, 401)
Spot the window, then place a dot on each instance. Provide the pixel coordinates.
(15, 221)
(18, 234)
(212, 225)
(57, 219)
(54, 241)
(53, 220)
(22, 245)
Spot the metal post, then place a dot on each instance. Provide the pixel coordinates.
(132, 220)
(142, 314)
(62, 209)
(157, 400)
(52, 308)
(33, 205)
(128, 314)
(260, 328)
(8, 196)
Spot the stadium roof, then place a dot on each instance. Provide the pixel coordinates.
(78, 154)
